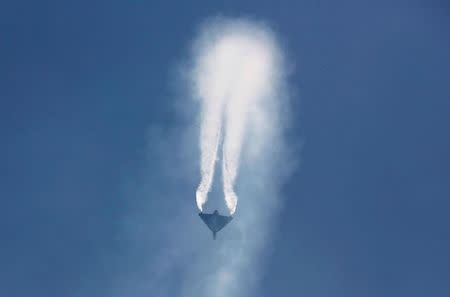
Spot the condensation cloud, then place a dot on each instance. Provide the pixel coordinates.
(235, 73)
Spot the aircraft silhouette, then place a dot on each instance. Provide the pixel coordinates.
(215, 221)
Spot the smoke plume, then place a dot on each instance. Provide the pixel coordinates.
(235, 72)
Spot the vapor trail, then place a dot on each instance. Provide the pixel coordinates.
(233, 74)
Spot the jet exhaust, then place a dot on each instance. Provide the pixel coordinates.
(233, 75)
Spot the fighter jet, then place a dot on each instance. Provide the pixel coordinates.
(215, 221)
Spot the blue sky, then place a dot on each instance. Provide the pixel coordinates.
(87, 92)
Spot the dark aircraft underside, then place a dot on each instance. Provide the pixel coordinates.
(215, 221)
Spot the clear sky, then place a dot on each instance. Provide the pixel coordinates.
(87, 93)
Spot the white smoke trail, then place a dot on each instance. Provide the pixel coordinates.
(234, 73)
